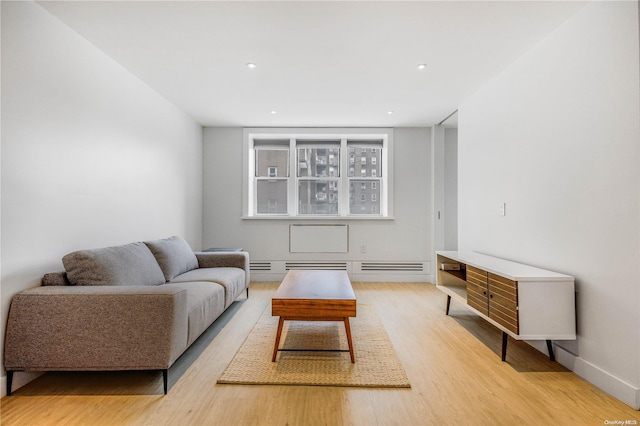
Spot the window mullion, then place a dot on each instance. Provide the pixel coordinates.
(253, 182)
(293, 178)
(344, 178)
(384, 179)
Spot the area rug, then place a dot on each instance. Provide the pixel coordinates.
(377, 364)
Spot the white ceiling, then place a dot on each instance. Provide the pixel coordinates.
(323, 63)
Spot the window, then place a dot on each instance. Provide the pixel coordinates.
(271, 173)
(309, 174)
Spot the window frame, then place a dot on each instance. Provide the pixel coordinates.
(297, 138)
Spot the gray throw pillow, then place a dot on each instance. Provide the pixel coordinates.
(174, 255)
(55, 279)
(129, 264)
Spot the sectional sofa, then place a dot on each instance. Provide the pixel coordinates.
(137, 306)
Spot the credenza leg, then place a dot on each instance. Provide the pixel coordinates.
(505, 339)
(552, 357)
(448, 304)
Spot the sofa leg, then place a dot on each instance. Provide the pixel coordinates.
(165, 379)
(9, 381)
(247, 292)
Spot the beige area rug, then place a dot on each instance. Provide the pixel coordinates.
(377, 364)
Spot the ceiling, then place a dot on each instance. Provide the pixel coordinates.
(323, 63)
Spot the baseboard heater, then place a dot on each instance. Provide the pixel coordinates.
(260, 266)
(339, 266)
(394, 271)
(350, 266)
(391, 266)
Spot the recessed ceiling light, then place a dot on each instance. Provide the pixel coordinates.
(251, 65)
(389, 112)
(422, 66)
(274, 112)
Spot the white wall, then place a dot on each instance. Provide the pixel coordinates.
(91, 156)
(556, 136)
(451, 189)
(405, 238)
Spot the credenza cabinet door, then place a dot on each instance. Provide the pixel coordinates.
(493, 296)
(503, 302)
(477, 289)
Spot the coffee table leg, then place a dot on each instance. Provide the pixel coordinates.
(347, 328)
(275, 348)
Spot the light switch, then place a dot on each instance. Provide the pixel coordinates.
(503, 209)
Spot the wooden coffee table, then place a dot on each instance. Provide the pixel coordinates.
(310, 295)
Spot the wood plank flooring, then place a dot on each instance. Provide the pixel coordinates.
(453, 364)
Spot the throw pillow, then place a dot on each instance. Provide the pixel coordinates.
(174, 255)
(129, 264)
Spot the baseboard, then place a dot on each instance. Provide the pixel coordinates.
(390, 278)
(612, 385)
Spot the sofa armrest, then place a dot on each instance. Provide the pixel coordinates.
(96, 328)
(225, 259)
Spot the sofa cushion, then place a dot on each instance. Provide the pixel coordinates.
(232, 279)
(129, 264)
(205, 303)
(174, 256)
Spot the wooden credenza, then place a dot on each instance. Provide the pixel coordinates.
(525, 302)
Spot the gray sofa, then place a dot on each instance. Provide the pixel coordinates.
(137, 306)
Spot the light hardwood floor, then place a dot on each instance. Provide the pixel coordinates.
(453, 364)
